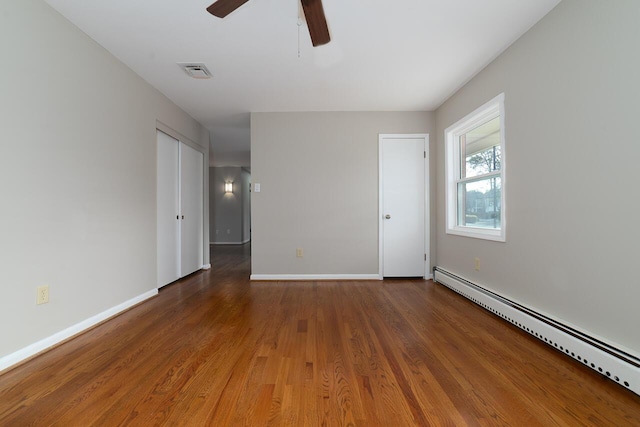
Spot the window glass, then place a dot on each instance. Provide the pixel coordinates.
(480, 203)
(481, 149)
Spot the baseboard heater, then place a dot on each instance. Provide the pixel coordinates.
(611, 362)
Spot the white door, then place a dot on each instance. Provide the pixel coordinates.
(191, 209)
(168, 225)
(403, 207)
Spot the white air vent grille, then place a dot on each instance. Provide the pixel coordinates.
(195, 70)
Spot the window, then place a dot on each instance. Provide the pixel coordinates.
(475, 173)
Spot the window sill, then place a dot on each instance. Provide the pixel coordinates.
(478, 233)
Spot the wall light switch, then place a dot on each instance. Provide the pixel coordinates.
(256, 187)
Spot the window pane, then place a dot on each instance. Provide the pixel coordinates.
(479, 203)
(481, 149)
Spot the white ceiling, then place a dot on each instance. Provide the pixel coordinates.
(402, 55)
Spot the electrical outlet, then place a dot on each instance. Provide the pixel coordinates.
(477, 264)
(42, 296)
(299, 252)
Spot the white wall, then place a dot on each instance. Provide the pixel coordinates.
(319, 189)
(230, 158)
(228, 211)
(77, 175)
(572, 145)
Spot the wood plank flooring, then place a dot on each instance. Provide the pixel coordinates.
(217, 350)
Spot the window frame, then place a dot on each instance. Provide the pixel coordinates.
(453, 164)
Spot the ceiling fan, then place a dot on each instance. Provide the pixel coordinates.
(313, 13)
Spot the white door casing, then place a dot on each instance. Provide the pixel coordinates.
(403, 230)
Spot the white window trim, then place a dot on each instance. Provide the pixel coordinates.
(491, 109)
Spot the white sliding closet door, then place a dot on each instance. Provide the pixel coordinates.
(168, 196)
(191, 190)
(180, 206)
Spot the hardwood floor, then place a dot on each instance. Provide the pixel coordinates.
(217, 350)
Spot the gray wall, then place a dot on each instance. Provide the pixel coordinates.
(319, 189)
(77, 175)
(572, 99)
(229, 213)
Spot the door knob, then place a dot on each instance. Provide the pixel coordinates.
(387, 216)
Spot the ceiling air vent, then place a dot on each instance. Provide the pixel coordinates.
(195, 70)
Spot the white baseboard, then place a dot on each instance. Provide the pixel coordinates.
(303, 277)
(609, 360)
(230, 243)
(46, 343)
(206, 266)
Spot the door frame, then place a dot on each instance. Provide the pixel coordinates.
(427, 214)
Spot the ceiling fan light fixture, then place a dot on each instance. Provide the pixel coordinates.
(195, 70)
(313, 13)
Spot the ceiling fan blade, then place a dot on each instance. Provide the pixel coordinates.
(222, 8)
(316, 21)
